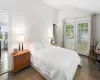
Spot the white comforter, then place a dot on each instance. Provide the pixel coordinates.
(57, 63)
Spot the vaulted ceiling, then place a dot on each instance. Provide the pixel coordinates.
(90, 5)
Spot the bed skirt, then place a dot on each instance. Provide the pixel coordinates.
(44, 75)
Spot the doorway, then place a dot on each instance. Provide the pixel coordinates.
(83, 37)
(77, 36)
(55, 32)
(3, 43)
(69, 36)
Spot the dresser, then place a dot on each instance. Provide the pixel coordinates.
(21, 60)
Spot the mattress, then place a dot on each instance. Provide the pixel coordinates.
(56, 63)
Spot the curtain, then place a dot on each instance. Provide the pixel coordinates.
(92, 38)
(63, 32)
(92, 31)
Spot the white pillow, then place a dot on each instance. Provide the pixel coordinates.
(35, 46)
(45, 43)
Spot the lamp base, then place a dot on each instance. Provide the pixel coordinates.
(22, 46)
(19, 46)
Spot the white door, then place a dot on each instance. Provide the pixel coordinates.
(77, 36)
(70, 36)
(82, 37)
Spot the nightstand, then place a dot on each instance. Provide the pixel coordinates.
(21, 60)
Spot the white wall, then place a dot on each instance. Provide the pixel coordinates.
(33, 18)
(97, 27)
(3, 19)
(66, 13)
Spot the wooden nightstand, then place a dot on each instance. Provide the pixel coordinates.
(21, 60)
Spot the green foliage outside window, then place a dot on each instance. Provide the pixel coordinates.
(70, 31)
(0, 35)
(83, 27)
(6, 35)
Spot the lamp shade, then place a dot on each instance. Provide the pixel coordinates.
(20, 38)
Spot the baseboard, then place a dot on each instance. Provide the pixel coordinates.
(3, 73)
(83, 55)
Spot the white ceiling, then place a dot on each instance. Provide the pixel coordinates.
(90, 5)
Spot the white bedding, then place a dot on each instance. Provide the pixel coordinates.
(57, 63)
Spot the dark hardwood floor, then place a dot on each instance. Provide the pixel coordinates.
(87, 72)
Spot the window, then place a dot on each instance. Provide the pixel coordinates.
(83, 30)
(6, 35)
(0, 35)
(70, 30)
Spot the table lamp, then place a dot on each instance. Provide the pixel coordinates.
(21, 40)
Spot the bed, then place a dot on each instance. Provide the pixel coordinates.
(55, 63)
